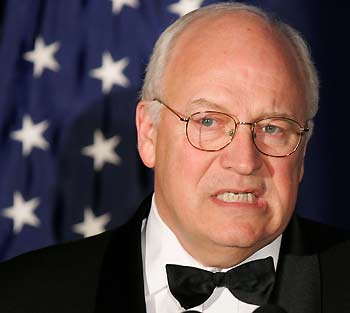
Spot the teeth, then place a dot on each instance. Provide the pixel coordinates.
(237, 197)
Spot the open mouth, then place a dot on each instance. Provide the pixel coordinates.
(246, 197)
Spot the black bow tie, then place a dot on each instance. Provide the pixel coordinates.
(251, 282)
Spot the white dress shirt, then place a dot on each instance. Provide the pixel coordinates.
(160, 247)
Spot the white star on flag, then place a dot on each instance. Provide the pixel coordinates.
(185, 6)
(118, 5)
(43, 56)
(102, 150)
(22, 212)
(111, 72)
(92, 225)
(31, 135)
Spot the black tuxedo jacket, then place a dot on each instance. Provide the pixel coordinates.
(104, 273)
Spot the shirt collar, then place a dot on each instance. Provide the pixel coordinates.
(162, 247)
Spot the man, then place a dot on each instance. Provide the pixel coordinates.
(225, 118)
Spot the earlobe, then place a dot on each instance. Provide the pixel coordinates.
(146, 134)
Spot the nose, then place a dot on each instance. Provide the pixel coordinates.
(241, 154)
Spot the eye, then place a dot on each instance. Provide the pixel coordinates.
(207, 122)
(211, 121)
(271, 129)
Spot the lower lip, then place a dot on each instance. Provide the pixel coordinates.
(259, 204)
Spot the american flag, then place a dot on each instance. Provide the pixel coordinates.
(71, 71)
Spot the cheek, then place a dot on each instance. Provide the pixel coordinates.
(179, 170)
(287, 176)
(283, 187)
(178, 162)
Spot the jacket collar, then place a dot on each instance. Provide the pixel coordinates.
(120, 285)
(298, 287)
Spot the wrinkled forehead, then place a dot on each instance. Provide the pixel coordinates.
(240, 28)
(239, 41)
(238, 50)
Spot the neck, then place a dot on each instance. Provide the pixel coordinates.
(218, 256)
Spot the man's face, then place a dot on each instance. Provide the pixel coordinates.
(241, 67)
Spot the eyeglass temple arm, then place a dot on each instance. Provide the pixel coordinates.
(306, 128)
(182, 119)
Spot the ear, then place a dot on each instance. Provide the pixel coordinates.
(146, 134)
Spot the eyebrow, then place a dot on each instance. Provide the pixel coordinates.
(202, 104)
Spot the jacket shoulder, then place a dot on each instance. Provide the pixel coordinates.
(323, 237)
(333, 249)
(60, 278)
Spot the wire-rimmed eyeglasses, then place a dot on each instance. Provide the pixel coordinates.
(275, 136)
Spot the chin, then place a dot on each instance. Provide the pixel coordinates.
(243, 236)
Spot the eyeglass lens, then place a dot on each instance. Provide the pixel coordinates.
(211, 131)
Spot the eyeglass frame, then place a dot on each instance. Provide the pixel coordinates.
(252, 125)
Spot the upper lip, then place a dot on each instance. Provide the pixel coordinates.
(256, 191)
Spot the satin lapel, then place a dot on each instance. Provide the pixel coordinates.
(121, 287)
(298, 286)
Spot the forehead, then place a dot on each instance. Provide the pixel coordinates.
(240, 36)
(238, 52)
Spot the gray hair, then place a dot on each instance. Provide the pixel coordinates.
(154, 88)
